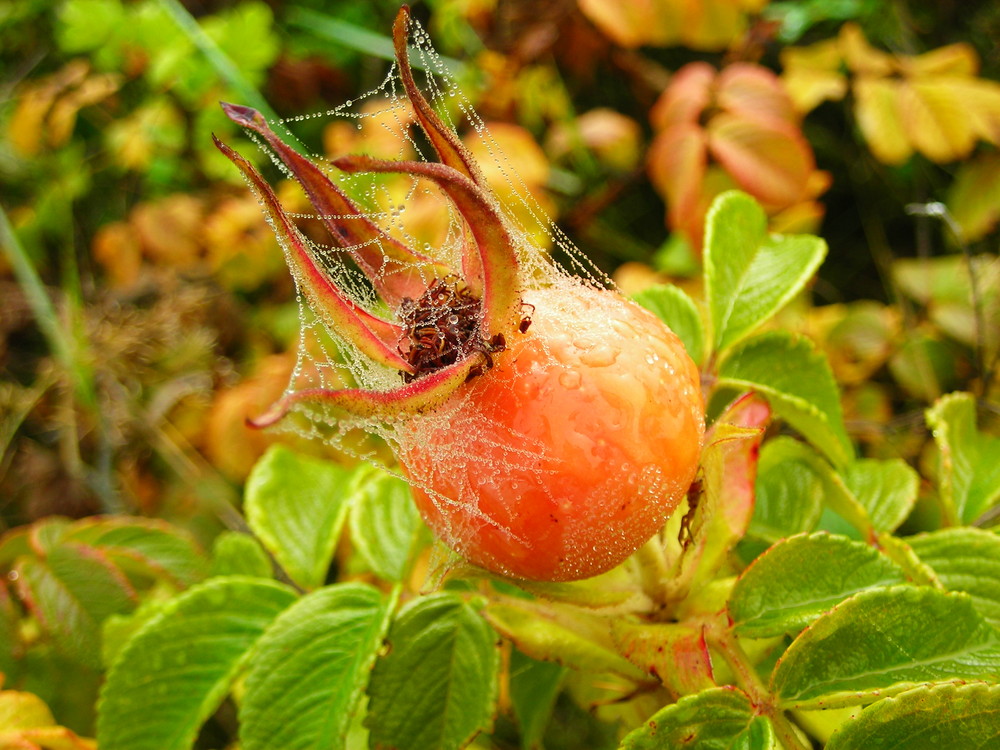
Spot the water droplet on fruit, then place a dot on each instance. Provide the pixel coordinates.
(569, 379)
(652, 359)
(599, 356)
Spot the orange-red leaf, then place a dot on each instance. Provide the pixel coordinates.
(771, 161)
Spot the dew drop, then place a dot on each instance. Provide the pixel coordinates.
(569, 379)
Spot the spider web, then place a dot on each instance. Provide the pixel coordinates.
(415, 211)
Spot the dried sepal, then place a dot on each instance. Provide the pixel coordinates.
(415, 397)
(395, 270)
(495, 246)
(373, 336)
(449, 148)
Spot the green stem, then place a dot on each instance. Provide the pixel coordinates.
(60, 341)
(653, 571)
(721, 637)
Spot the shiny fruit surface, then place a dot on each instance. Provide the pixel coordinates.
(572, 450)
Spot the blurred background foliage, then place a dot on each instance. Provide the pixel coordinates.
(145, 310)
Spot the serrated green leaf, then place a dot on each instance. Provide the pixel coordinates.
(534, 687)
(799, 579)
(310, 668)
(726, 505)
(546, 638)
(797, 381)
(963, 716)
(675, 653)
(71, 591)
(436, 688)
(965, 559)
(970, 460)
(237, 554)
(897, 550)
(884, 641)
(296, 505)
(384, 523)
(758, 736)
(177, 668)
(789, 491)
(46, 535)
(886, 489)
(145, 545)
(675, 308)
(749, 275)
(710, 720)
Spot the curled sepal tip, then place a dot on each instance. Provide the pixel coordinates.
(497, 254)
(373, 336)
(416, 397)
(395, 270)
(449, 148)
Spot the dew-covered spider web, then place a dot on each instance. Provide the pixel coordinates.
(454, 454)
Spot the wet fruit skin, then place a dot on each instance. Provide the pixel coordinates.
(572, 451)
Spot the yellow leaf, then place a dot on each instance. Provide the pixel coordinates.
(712, 24)
(876, 108)
(22, 711)
(955, 59)
(935, 120)
(980, 102)
(861, 57)
(974, 197)
(812, 74)
(635, 23)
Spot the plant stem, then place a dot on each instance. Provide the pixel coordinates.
(722, 638)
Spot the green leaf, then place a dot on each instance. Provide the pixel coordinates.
(970, 460)
(237, 554)
(296, 506)
(86, 25)
(799, 579)
(749, 275)
(789, 491)
(145, 545)
(886, 489)
(534, 687)
(309, 669)
(674, 652)
(177, 668)
(710, 720)
(881, 642)
(384, 523)
(436, 688)
(965, 559)
(10, 637)
(71, 591)
(797, 381)
(541, 634)
(675, 308)
(759, 735)
(929, 716)
(725, 507)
